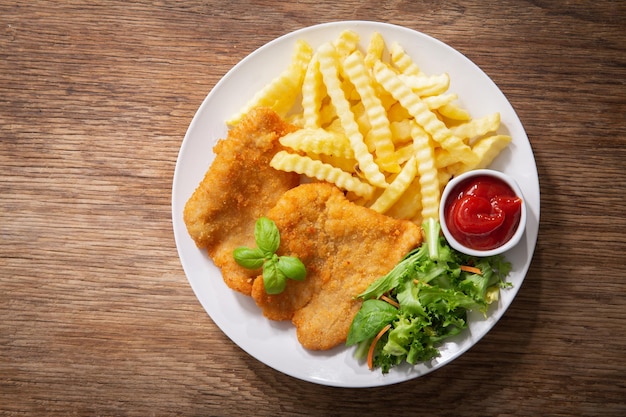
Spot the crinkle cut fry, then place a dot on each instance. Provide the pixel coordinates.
(397, 187)
(288, 162)
(281, 93)
(328, 67)
(318, 141)
(359, 75)
(422, 114)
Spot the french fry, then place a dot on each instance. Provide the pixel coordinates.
(328, 67)
(397, 112)
(328, 115)
(290, 162)
(409, 205)
(428, 175)
(403, 61)
(318, 141)
(454, 112)
(443, 175)
(380, 133)
(404, 153)
(336, 127)
(435, 102)
(387, 134)
(345, 164)
(425, 86)
(375, 49)
(443, 158)
(400, 131)
(477, 127)
(487, 149)
(313, 91)
(397, 187)
(346, 43)
(422, 114)
(281, 93)
(360, 117)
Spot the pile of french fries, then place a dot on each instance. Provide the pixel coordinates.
(372, 123)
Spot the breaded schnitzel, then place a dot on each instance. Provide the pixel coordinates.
(239, 187)
(344, 247)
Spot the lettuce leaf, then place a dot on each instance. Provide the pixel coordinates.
(434, 295)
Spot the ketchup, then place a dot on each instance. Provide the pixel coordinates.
(483, 212)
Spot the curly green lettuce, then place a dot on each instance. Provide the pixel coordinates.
(422, 301)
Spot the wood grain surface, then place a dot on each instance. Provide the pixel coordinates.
(97, 317)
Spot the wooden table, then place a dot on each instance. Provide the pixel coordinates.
(97, 317)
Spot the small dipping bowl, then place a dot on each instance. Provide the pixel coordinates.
(447, 195)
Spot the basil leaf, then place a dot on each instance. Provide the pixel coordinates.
(274, 279)
(249, 258)
(292, 267)
(371, 318)
(267, 235)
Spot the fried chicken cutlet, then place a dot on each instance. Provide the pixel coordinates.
(344, 247)
(238, 188)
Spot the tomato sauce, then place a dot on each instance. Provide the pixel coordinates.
(483, 212)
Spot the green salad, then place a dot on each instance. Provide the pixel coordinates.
(423, 301)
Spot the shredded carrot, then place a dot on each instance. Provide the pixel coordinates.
(390, 301)
(370, 353)
(471, 269)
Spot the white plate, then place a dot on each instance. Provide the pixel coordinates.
(275, 343)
